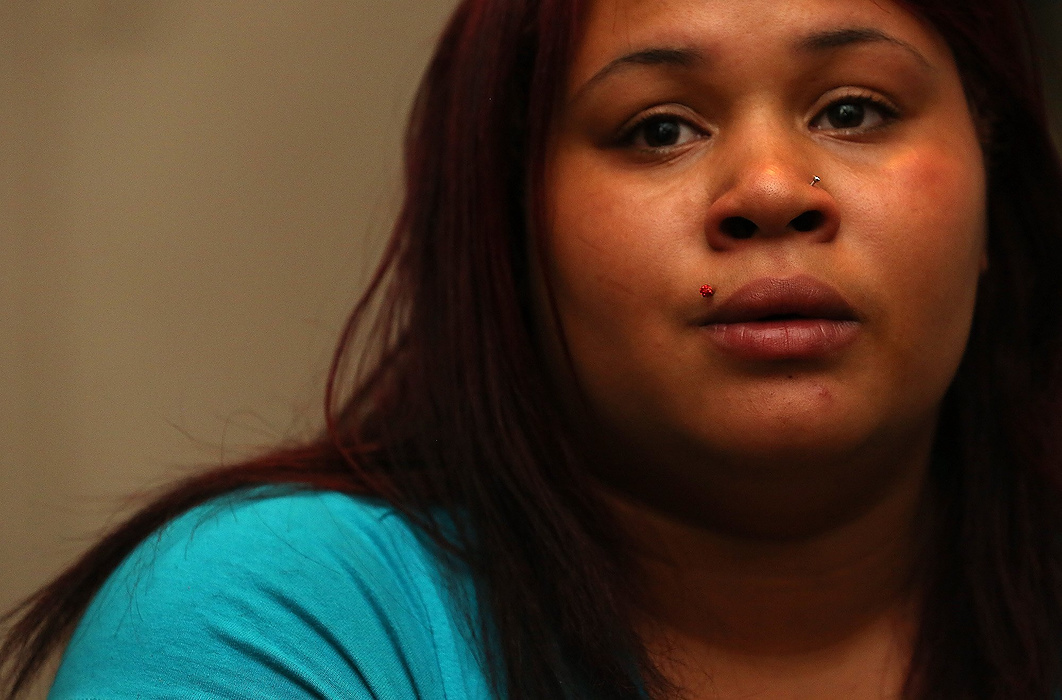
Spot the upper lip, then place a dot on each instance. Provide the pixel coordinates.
(802, 296)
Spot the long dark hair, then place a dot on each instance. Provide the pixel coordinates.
(450, 405)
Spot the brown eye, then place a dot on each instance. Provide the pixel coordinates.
(661, 132)
(854, 114)
(846, 115)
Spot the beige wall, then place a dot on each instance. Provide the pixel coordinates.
(192, 194)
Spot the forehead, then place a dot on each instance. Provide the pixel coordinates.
(734, 33)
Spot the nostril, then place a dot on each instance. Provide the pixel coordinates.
(808, 221)
(737, 227)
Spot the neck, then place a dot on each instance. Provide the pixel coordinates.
(778, 595)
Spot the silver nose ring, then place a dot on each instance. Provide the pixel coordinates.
(816, 181)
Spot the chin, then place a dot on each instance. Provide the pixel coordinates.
(792, 445)
(794, 416)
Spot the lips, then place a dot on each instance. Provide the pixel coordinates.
(775, 298)
(782, 318)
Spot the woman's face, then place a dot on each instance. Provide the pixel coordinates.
(684, 154)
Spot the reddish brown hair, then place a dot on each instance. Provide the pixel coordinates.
(993, 612)
(451, 406)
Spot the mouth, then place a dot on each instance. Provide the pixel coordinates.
(779, 317)
(776, 318)
(775, 299)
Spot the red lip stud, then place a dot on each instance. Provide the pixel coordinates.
(707, 290)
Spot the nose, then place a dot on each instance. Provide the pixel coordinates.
(770, 194)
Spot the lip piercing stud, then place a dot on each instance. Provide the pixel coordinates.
(816, 181)
(707, 290)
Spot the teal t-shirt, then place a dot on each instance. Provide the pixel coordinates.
(304, 595)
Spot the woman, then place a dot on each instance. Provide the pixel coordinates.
(716, 355)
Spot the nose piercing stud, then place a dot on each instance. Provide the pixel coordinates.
(707, 290)
(816, 181)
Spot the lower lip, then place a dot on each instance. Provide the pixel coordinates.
(802, 338)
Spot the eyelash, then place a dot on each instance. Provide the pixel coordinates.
(630, 133)
(888, 111)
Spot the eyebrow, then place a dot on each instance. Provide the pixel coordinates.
(841, 38)
(686, 57)
(677, 57)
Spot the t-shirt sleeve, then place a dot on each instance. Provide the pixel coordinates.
(299, 596)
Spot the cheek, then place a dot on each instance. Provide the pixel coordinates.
(926, 241)
(617, 245)
(614, 241)
(945, 224)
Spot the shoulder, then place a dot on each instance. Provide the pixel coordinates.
(304, 594)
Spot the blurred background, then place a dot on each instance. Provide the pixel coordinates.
(192, 194)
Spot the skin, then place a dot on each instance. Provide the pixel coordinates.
(778, 505)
